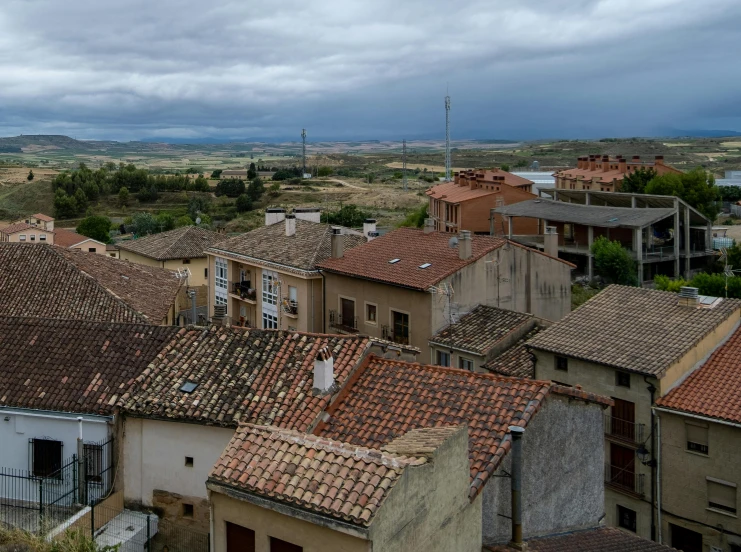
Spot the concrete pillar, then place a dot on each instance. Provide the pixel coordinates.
(590, 258)
(633, 202)
(676, 239)
(509, 227)
(709, 236)
(687, 248)
(638, 248)
(555, 196)
(588, 198)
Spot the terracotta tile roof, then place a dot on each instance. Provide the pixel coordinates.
(421, 442)
(73, 365)
(310, 245)
(516, 361)
(188, 242)
(602, 539)
(713, 390)
(259, 376)
(389, 398)
(37, 280)
(413, 248)
(312, 473)
(454, 193)
(17, 227)
(479, 330)
(149, 290)
(68, 238)
(635, 329)
(42, 216)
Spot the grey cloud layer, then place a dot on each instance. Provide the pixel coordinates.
(135, 68)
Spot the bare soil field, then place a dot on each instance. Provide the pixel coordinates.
(18, 175)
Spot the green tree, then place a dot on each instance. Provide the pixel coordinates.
(255, 189)
(144, 224)
(244, 203)
(96, 227)
(251, 172)
(416, 219)
(613, 262)
(184, 220)
(504, 167)
(123, 197)
(348, 215)
(635, 182)
(198, 205)
(217, 173)
(274, 190)
(230, 187)
(148, 194)
(81, 200)
(165, 222)
(200, 184)
(65, 206)
(325, 171)
(696, 187)
(30, 175)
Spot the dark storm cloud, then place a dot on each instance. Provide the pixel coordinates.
(375, 69)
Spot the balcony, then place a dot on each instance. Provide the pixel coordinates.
(624, 479)
(347, 324)
(624, 431)
(389, 335)
(289, 307)
(244, 291)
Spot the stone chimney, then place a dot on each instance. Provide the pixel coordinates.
(550, 241)
(338, 243)
(369, 226)
(219, 317)
(323, 371)
(274, 216)
(429, 226)
(312, 214)
(688, 297)
(290, 225)
(465, 247)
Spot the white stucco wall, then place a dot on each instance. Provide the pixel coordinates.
(154, 454)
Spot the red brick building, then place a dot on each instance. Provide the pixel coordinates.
(602, 174)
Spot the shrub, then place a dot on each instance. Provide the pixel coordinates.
(613, 262)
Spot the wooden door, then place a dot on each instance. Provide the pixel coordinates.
(401, 328)
(347, 311)
(622, 467)
(623, 419)
(239, 539)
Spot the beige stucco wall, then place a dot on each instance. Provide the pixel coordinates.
(89, 244)
(455, 357)
(268, 523)
(197, 266)
(684, 483)
(154, 454)
(35, 232)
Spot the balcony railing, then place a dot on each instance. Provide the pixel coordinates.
(290, 307)
(389, 335)
(346, 324)
(243, 290)
(624, 479)
(624, 430)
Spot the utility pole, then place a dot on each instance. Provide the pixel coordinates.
(303, 154)
(404, 163)
(447, 138)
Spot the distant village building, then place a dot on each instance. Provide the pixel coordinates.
(72, 240)
(731, 178)
(38, 228)
(466, 203)
(234, 174)
(602, 174)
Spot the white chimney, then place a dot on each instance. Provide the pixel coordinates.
(465, 248)
(323, 370)
(312, 214)
(550, 241)
(274, 216)
(290, 225)
(369, 226)
(429, 225)
(338, 243)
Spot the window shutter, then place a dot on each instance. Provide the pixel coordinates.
(697, 434)
(722, 496)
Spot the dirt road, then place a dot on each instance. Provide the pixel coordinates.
(344, 183)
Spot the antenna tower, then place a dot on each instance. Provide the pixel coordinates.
(447, 138)
(303, 149)
(404, 162)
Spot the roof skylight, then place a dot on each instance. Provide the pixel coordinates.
(426, 265)
(394, 261)
(188, 387)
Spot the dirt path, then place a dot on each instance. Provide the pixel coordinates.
(344, 183)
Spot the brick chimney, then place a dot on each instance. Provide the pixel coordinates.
(592, 163)
(605, 163)
(659, 160)
(465, 247)
(623, 165)
(338, 243)
(290, 225)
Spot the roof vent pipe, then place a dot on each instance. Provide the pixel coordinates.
(516, 487)
(323, 370)
(338, 243)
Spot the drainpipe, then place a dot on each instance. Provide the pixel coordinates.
(193, 312)
(652, 390)
(658, 475)
(516, 486)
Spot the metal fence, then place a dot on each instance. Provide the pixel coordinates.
(52, 490)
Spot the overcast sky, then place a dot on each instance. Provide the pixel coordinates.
(374, 69)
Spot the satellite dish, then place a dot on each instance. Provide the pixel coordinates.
(198, 220)
(453, 242)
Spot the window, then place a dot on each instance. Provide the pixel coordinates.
(697, 437)
(239, 539)
(33, 237)
(221, 282)
(465, 364)
(42, 237)
(562, 363)
(721, 495)
(243, 311)
(187, 510)
(277, 545)
(46, 458)
(269, 321)
(186, 261)
(189, 461)
(568, 231)
(626, 518)
(622, 379)
(371, 312)
(293, 295)
(93, 462)
(269, 288)
(401, 327)
(91, 249)
(443, 358)
(685, 539)
(22, 237)
(205, 272)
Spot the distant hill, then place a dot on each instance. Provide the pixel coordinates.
(702, 133)
(55, 140)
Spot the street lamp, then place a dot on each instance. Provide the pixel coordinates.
(644, 456)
